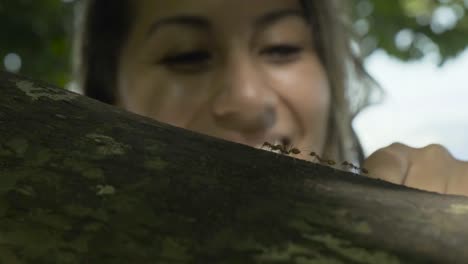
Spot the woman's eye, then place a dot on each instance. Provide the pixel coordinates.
(191, 59)
(282, 52)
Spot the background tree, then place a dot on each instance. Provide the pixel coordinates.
(35, 36)
(411, 29)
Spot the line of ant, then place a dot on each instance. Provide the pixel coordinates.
(288, 149)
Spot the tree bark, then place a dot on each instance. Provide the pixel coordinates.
(85, 182)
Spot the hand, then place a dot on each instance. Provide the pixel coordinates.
(431, 168)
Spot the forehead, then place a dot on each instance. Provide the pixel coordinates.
(226, 11)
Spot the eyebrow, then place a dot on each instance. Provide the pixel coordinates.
(201, 23)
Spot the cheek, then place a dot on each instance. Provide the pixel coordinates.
(155, 94)
(318, 103)
(314, 106)
(306, 93)
(306, 90)
(138, 92)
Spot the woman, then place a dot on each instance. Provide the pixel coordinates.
(247, 71)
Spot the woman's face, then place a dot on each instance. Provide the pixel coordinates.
(245, 71)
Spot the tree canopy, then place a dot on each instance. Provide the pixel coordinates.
(36, 36)
(411, 29)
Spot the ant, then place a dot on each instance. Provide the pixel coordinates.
(293, 150)
(322, 160)
(346, 163)
(267, 144)
(283, 148)
(273, 147)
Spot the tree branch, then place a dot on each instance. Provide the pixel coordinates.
(85, 182)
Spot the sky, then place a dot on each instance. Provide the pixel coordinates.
(424, 104)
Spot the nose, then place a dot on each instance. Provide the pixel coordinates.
(245, 101)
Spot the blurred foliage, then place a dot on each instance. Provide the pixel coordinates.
(40, 32)
(412, 29)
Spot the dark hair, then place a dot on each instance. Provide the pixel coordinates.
(103, 26)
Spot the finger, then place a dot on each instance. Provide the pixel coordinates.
(390, 163)
(432, 167)
(458, 181)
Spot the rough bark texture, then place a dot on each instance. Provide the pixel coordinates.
(84, 182)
